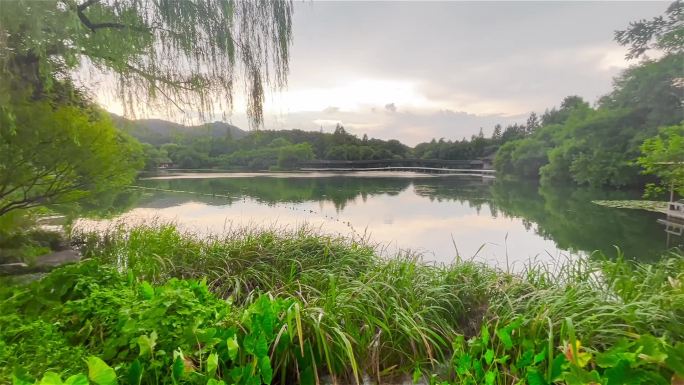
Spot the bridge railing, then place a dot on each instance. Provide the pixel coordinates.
(380, 163)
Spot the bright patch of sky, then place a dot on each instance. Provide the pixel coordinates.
(421, 70)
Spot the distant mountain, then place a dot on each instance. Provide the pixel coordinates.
(157, 131)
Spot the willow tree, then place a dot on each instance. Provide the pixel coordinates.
(57, 145)
(183, 55)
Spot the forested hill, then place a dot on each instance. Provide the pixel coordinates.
(158, 132)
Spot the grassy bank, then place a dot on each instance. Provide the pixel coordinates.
(152, 305)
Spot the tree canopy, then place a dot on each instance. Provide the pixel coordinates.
(599, 146)
(164, 54)
(663, 156)
(665, 33)
(51, 155)
(57, 145)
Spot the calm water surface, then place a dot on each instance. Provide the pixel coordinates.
(438, 216)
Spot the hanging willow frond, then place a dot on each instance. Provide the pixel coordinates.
(182, 55)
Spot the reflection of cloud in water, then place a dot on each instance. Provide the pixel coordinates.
(397, 222)
(490, 219)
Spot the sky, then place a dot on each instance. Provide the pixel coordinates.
(421, 70)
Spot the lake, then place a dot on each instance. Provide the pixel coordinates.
(435, 215)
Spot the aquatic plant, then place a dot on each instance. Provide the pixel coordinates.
(161, 306)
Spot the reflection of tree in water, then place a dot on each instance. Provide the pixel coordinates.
(563, 215)
(106, 204)
(338, 190)
(567, 216)
(473, 192)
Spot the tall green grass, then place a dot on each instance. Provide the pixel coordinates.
(361, 313)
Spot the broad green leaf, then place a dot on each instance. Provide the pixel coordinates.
(233, 347)
(147, 344)
(484, 332)
(675, 359)
(100, 373)
(213, 381)
(265, 369)
(212, 364)
(51, 378)
(526, 359)
(477, 367)
(307, 376)
(253, 380)
(261, 348)
(535, 378)
(178, 368)
(146, 290)
(504, 335)
(464, 364)
(249, 343)
(579, 376)
(622, 374)
(558, 366)
(490, 377)
(489, 356)
(135, 372)
(78, 379)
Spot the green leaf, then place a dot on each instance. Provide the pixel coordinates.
(212, 364)
(417, 374)
(100, 373)
(249, 343)
(504, 335)
(484, 332)
(147, 344)
(135, 372)
(579, 376)
(265, 369)
(489, 356)
(559, 363)
(534, 377)
(20, 377)
(146, 290)
(233, 347)
(261, 348)
(675, 358)
(178, 368)
(464, 364)
(78, 379)
(307, 376)
(213, 381)
(541, 356)
(526, 359)
(51, 378)
(490, 377)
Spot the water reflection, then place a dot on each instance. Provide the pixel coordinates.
(500, 222)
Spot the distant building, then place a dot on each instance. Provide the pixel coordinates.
(488, 161)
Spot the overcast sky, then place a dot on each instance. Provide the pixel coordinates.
(418, 70)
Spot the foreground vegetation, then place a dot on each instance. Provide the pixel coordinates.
(152, 305)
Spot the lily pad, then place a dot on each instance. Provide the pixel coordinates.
(655, 206)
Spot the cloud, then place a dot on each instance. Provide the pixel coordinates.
(461, 65)
(409, 126)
